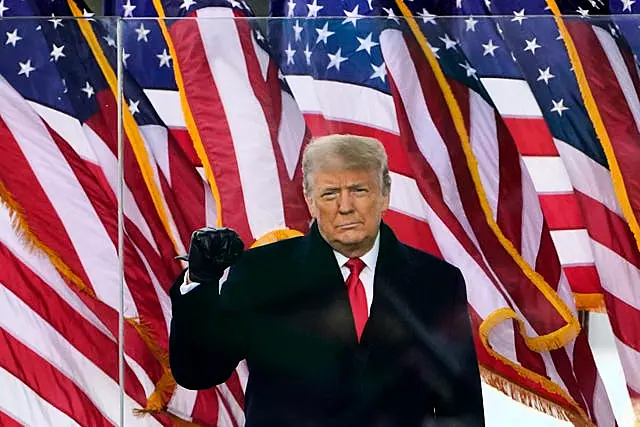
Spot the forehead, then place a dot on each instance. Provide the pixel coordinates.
(344, 177)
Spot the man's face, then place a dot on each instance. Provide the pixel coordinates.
(348, 207)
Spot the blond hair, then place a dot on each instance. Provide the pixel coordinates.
(345, 152)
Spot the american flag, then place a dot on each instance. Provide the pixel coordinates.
(363, 75)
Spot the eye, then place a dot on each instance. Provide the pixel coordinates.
(328, 195)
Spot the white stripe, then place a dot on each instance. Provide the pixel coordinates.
(42, 267)
(262, 57)
(109, 165)
(344, 102)
(602, 410)
(161, 295)
(224, 417)
(427, 137)
(630, 360)
(25, 406)
(573, 246)
(588, 176)
(236, 410)
(512, 97)
(484, 142)
(243, 374)
(157, 142)
(619, 277)
(27, 326)
(291, 132)
(182, 402)
(532, 218)
(247, 123)
(620, 70)
(548, 174)
(168, 106)
(405, 197)
(81, 222)
(69, 129)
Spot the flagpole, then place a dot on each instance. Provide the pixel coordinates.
(120, 197)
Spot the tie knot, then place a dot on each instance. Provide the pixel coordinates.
(355, 265)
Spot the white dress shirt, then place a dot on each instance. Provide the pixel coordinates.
(366, 275)
(368, 272)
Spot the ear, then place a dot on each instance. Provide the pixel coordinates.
(385, 202)
(310, 205)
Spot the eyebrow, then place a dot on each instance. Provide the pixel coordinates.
(349, 187)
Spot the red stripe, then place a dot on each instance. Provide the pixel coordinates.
(412, 232)
(227, 407)
(584, 279)
(205, 409)
(568, 374)
(38, 211)
(184, 231)
(609, 229)
(398, 159)
(211, 122)
(541, 314)
(532, 136)
(624, 320)
(183, 139)
(235, 387)
(562, 211)
(48, 304)
(528, 358)
(614, 110)
(509, 216)
(49, 383)
(547, 261)
(7, 421)
(585, 365)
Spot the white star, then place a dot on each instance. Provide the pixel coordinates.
(142, 32)
(324, 33)
(471, 24)
(56, 53)
(13, 37)
(133, 106)
(87, 14)
(558, 107)
(292, 5)
(307, 54)
(434, 50)
(427, 17)
(518, 16)
(56, 21)
(448, 43)
(235, 3)
(583, 12)
(532, 45)
(128, 9)
(459, 4)
(352, 16)
(500, 30)
(391, 14)
(487, 3)
(545, 75)
(366, 44)
(3, 8)
(559, 35)
(314, 9)
(25, 68)
(186, 4)
(471, 72)
(164, 58)
(489, 48)
(336, 59)
(370, 5)
(88, 89)
(626, 5)
(379, 71)
(259, 35)
(125, 55)
(298, 30)
(110, 41)
(290, 52)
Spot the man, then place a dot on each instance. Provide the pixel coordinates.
(345, 326)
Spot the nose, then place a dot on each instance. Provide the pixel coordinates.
(345, 203)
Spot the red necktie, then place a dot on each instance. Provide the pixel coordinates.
(357, 296)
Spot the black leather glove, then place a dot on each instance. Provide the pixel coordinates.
(211, 251)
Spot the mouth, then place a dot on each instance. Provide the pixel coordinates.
(349, 226)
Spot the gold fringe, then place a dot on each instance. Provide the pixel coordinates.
(531, 399)
(130, 125)
(145, 331)
(635, 404)
(194, 133)
(552, 340)
(590, 302)
(485, 329)
(160, 397)
(21, 227)
(601, 130)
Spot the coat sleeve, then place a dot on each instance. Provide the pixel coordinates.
(462, 404)
(209, 333)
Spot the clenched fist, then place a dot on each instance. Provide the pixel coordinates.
(211, 251)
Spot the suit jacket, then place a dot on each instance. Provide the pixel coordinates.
(285, 309)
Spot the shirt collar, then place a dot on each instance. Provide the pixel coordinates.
(370, 258)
